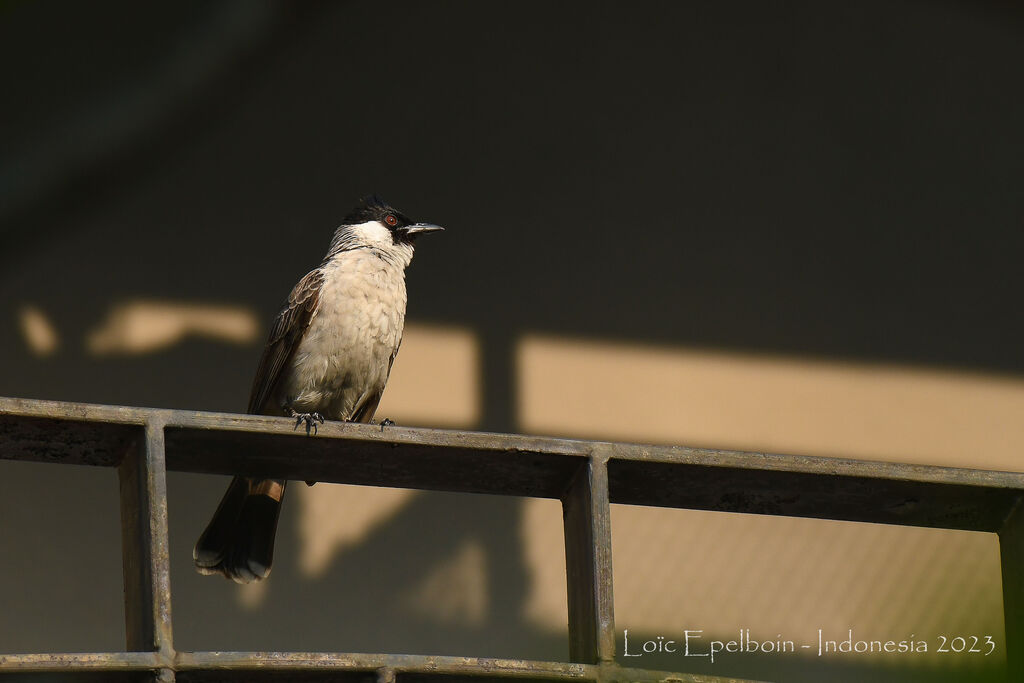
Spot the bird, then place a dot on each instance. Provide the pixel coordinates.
(328, 357)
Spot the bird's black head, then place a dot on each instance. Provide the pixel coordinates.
(373, 209)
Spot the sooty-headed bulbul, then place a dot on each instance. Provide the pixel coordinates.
(328, 356)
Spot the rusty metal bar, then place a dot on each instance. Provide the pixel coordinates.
(423, 667)
(142, 476)
(101, 662)
(256, 666)
(586, 517)
(375, 664)
(726, 481)
(823, 488)
(385, 674)
(80, 434)
(396, 457)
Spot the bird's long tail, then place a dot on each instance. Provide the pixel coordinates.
(239, 540)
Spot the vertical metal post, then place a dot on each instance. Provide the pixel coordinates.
(147, 591)
(586, 517)
(1011, 552)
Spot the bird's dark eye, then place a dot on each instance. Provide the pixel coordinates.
(391, 220)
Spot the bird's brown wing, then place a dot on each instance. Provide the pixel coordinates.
(289, 326)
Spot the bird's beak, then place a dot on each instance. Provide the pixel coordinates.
(419, 229)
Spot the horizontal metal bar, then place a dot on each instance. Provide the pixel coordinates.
(465, 666)
(45, 431)
(612, 673)
(727, 481)
(363, 454)
(881, 494)
(415, 666)
(95, 661)
(403, 665)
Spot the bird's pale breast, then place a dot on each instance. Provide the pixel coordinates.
(344, 357)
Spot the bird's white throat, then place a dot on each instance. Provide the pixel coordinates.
(373, 235)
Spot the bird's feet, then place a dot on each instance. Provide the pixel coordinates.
(310, 419)
(386, 422)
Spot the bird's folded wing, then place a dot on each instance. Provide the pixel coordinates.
(289, 326)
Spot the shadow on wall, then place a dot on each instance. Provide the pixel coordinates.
(442, 574)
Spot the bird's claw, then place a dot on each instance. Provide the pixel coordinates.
(310, 419)
(386, 422)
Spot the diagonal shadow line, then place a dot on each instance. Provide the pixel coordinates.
(374, 579)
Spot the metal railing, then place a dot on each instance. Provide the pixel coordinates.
(143, 444)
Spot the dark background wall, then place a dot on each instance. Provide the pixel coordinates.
(833, 180)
